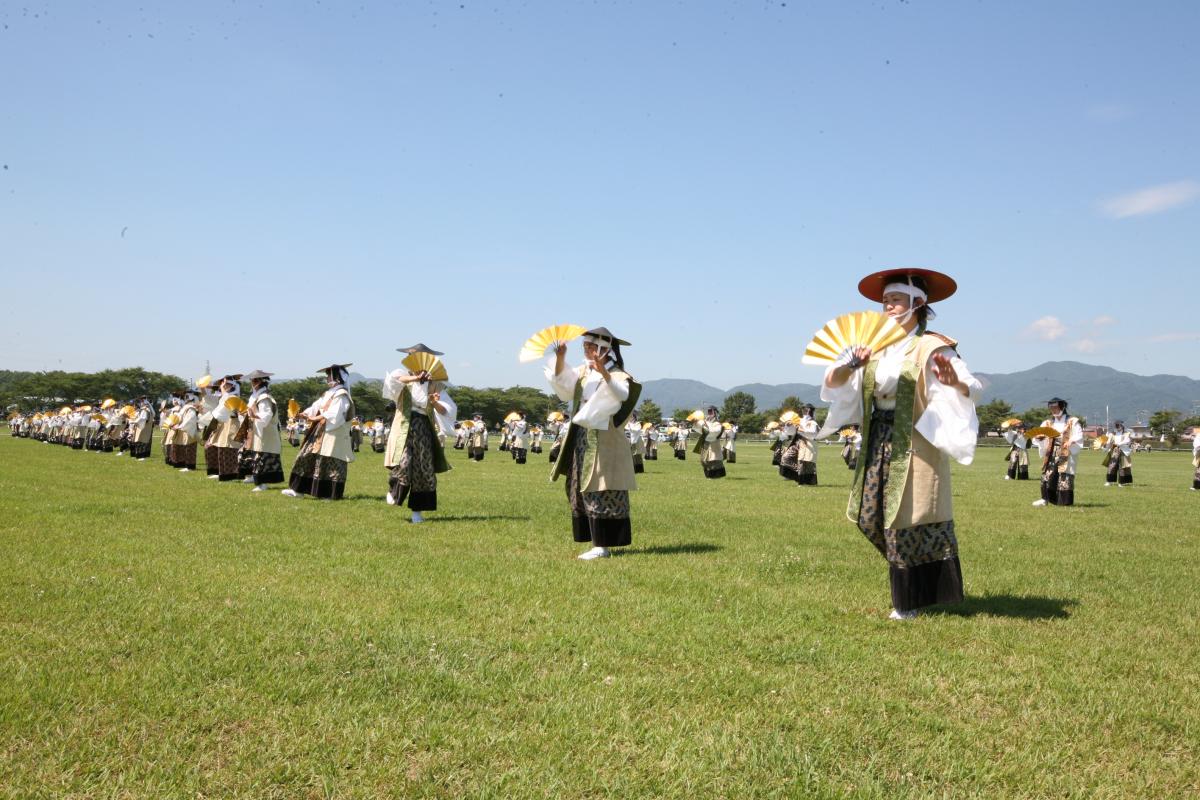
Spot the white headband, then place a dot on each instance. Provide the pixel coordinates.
(906, 288)
(596, 340)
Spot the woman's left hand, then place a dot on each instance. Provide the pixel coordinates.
(945, 372)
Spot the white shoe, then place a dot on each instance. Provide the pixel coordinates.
(214, 477)
(118, 454)
(1106, 483)
(141, 459)
(1008, 477)
(595, 552)
(262, 487)
(185, 469)
(1039, 503)
(416, 517)
(387, 498)
(902, 615)
(248, 479)
(288, 493)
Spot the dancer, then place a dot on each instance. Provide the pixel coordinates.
(1058, 455)
(595, 455)
(1119, 458)
(264, 442)
(1018, 453)
(323, 461)
(708, 443)
(415, 455)
(916, 402)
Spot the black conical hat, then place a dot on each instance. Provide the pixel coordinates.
(606, 334)
(419, 347)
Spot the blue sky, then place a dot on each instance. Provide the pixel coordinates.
(280, 185)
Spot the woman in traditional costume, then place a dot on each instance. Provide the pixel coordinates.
(141, 430)
(1018, 453)
(260, 383)
(1196, 458)
(478, 438)
(1119, 456)
(1059, 454)
(518, 438)
(799, 458)
(262, 413)
(183, 447)
(637, 446)
(916, 402)
(415, 454)
(595, 455)
(323, 461)
(708, 444)
(224, 436)
(680, 443)
(535, 439)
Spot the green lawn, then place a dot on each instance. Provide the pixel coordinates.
(162, 635)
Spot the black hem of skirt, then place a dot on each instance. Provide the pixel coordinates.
(789, 474)
(714, 469)
(611, 532)
(639, 468)
(935, 583)
(807, 480)
(732, 459)
(269, 477)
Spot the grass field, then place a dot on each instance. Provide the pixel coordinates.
(162, 635)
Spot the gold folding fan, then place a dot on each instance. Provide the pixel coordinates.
(788, 417)
(65, 410)
(1043, 430)
(555, 416)
(468, 424)
(772, 425)
(293, 408)
(847, 432)
(129, 411)
(108, 403)
(204, 382)
(696, 416)
(1008, 423)
(842, 335)
(236, 404)
(426, 362)
(512, 417)
(536, 346)
(647, 426)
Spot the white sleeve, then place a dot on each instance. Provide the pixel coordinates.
(845, 403)
(949, 421)
(335, 415)
(1010, 437)
(221, 413)
(264, 416)
(564, 382)
(596, 413)
(1076, 440)
(392, 385)
(446, 421)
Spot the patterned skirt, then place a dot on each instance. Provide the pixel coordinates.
(789, 462)
(1058, 488)
(227, 463)
(601, 518)
(322, 477)
(1120, 470)
(139, 449)
(268, 468)
(922, 560)
(183, 456)
(210, 460)
(245, 463)
(414, 478)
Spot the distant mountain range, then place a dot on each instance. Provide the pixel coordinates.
(1088, 389)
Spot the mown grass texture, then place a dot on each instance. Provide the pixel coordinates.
(163, 635)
